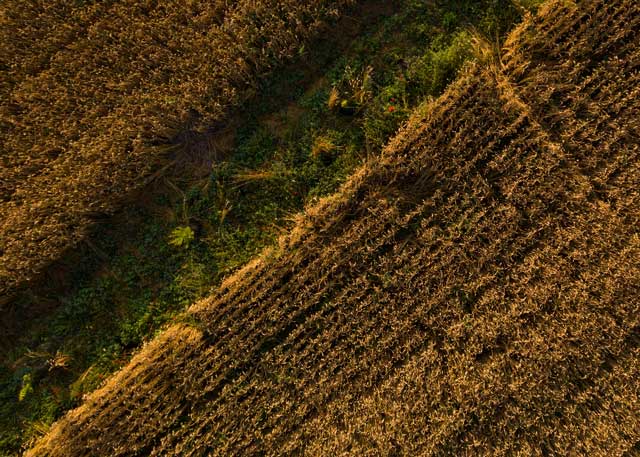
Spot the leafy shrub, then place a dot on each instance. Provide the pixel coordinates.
(181, 237)
(430, 73)
(27, 387)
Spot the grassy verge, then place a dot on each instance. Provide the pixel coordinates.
(300, 141)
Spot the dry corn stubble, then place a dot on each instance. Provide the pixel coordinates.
(476, 291)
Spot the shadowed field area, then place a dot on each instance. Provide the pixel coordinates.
(95, 95)
(474, 291)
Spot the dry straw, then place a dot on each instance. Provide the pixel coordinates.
(475, 291)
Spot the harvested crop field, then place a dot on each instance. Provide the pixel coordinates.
(474, 291)
(95, 94)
